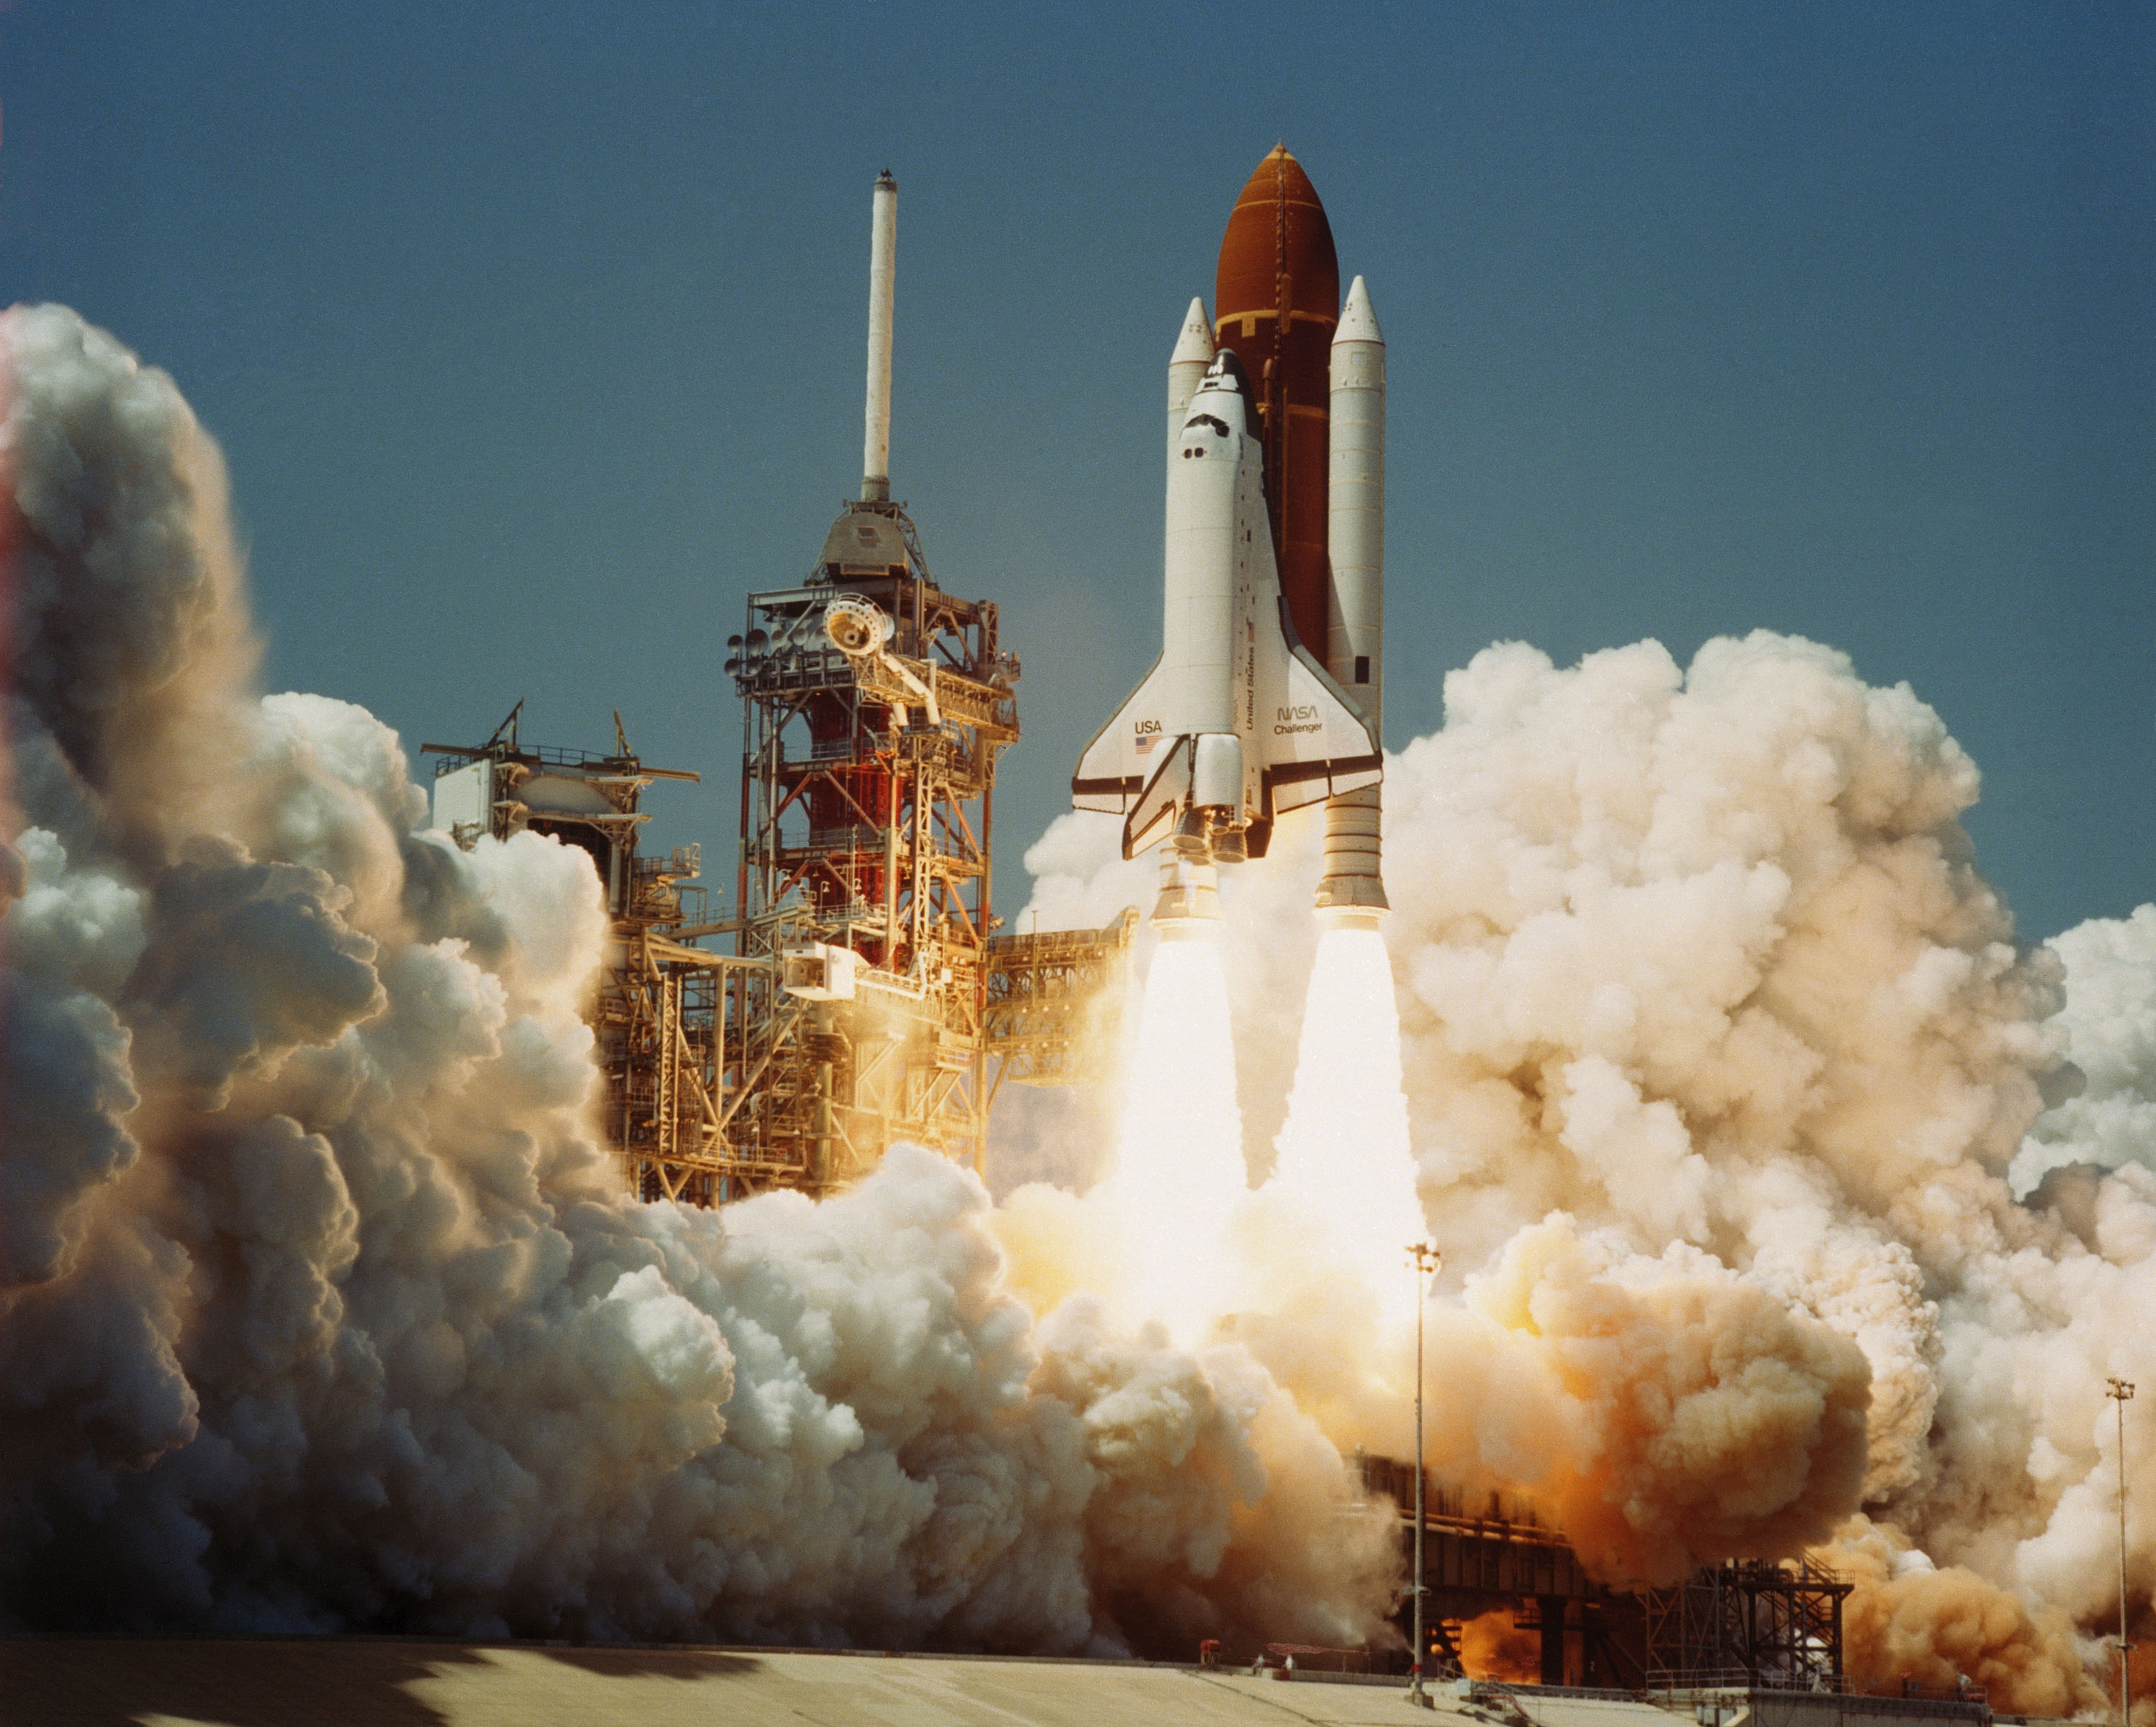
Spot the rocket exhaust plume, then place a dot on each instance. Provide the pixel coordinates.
(1718, 1054)
(1345, 1163)
(1179, 1150)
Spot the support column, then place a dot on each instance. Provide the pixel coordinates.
(1552, 1615)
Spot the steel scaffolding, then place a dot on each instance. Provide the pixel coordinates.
(1056, 1001)
(866, 863)
(1747, 1622)
(656, 1014)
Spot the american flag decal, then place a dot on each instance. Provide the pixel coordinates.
(1147, 742)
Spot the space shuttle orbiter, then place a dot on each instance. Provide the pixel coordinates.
(1237, 721)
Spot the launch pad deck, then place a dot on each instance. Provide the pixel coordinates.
(394, 1682)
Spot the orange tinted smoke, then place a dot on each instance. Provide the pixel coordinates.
(1275, 301)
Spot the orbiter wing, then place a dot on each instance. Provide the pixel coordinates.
(1127, 752)
(1307, 738)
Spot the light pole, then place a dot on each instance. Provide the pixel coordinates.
(1425, 1259)
(2121, 1390)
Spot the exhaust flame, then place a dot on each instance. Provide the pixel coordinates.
(1344, 1162)
(1179, 1165)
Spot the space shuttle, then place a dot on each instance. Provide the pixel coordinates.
(1236, 723)
(1267, 692)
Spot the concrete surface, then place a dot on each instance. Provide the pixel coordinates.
(396, 1683)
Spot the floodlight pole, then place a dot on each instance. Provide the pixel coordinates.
(1425, 1259)
(2121, 1390)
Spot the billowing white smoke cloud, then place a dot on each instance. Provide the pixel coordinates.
(1696, 962)
(318, 1305)
(2109, 1021)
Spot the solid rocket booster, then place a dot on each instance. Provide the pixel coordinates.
(883, 281)
(1354, 889)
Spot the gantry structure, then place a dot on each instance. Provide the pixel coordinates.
(1748, 1622)
(1056, 1001)
(655, 1013)
(864, 1000)
(1740, 1623)
(875, 706)
(868, 999)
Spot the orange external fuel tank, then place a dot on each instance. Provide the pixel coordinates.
(1275, 302)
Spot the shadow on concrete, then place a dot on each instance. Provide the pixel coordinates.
(283, 1682)
(609, 1663)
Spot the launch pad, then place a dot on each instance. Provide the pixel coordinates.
(1742, 1623)
(448, 1682)
(868, 998)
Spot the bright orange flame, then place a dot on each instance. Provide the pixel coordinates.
(1493, 1648)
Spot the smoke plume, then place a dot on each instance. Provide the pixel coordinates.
(1787, 1202)
(320, 1307)
(1718, 1053)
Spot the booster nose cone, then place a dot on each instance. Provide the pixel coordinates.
(1359, 319)
(1193, 343)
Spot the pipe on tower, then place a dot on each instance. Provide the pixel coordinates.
(1354, 889)
(883, 273)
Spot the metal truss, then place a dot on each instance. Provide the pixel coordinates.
(865, 832)
(1772, 1624)
(1055, 1002)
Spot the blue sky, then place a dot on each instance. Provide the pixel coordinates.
(533, 337)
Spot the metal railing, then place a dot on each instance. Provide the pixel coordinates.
(1662, 1681)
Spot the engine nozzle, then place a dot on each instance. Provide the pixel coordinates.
(1189, 902)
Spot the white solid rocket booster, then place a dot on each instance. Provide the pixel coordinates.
(883, 272)
(1353, 889)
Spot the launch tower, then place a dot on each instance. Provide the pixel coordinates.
(868, 999)
(866, 876)
(874, 1001)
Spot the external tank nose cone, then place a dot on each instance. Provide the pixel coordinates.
(1277, 230)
